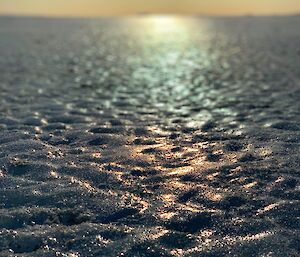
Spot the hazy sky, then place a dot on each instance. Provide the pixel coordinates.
(123, 7)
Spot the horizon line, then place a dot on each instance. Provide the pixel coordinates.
(33, 15)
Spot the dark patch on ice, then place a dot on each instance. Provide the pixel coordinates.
(151, 150)
(147, 249)
(177, 240)
(213, 157)
(140, 141)
(232, 202)
(208, 126)
(26, 244)
(248, 157)
(286, 125)
(184, 197)
(233, 146)
(99, 141)
(119, 215)
(192, 223)
(106, 130)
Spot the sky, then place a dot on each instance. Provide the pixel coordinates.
(127, 7)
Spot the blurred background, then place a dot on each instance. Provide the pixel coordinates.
(130, 7)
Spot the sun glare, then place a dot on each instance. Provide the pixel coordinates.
(164, 23)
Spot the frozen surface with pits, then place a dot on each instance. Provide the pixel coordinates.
(151, 136)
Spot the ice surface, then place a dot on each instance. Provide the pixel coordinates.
(131, 137)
